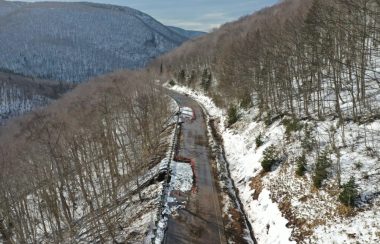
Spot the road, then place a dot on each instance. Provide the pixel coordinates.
(201, 220)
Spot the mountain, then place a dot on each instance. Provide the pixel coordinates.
(75, 41)
(187, 33)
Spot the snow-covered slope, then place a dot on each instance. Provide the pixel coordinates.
(286, 208)
(19, 95)
(75, 41)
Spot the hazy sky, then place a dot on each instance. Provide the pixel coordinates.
(192, 14)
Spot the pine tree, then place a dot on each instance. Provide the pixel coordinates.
(270, 158)
(321, 173)
(233, 115)
(349, 193)
(206, 79)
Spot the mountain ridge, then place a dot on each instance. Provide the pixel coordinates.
(187, 33)
(75, 41)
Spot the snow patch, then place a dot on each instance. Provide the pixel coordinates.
(265, 213)
(182, 177)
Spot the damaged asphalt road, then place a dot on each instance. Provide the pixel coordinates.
(201, 220)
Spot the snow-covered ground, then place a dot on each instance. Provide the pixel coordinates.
(285, 208)
(181, 180)
(128, 216)
(182, 177)
(131, 227)
(186, 112)
(15, 101)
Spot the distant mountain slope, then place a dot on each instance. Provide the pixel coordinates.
(187, 33)
(74, 41)
(19, 94)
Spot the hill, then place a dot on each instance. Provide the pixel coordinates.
(291, 93)
(294, 93)
(75, 41)
(87, 166)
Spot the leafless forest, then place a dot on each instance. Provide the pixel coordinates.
(73, 42)
(306, 59)
(303, 58)
(19, 94)
(78, 156)
(310, 62)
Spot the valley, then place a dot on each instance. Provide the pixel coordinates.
(117, 128)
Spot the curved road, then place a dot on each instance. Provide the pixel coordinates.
(201, 220)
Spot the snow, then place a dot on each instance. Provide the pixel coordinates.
(181, 180)
(186, 112)
(129, 214)
(319, 211)
(213, 110)
(15, 101)
(266, 213)
(352, 230)
(244, 164)
(63, 43)
(244, 161)
(132, 226)
(182, 176)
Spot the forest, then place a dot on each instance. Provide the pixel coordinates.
(295, 91)
(306, 62)
(73, 42)
(309, 59)
(19, 94)
(79, 156)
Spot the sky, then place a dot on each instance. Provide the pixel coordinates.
(202, 15)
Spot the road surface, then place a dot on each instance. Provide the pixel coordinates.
(201, 220)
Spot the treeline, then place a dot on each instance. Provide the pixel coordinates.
(313, 58)
(76, 157)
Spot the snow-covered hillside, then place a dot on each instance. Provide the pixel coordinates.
(75, 41)
(19, 95)
(14, 101)
(113, 200)
(284, 207)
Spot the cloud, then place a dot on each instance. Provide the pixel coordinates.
(203, 15)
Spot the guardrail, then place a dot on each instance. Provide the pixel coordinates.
(166, 182)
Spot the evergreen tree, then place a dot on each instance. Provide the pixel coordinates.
(270, 158)
(206, 79)
(233, 115)
(321, 173)
(349, 193)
